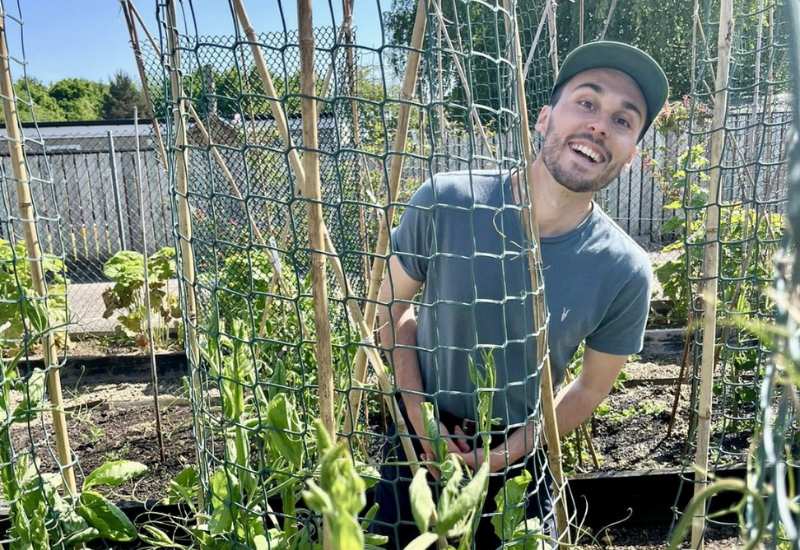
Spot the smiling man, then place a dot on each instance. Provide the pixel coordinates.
(460, 241)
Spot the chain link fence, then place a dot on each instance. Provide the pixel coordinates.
(93, 170)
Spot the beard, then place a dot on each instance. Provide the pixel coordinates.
(567, 173)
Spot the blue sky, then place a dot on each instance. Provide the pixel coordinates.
(88, 38)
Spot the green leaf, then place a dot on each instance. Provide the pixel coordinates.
(82, 536)
(157, 538)
(432, 432)
(114, 473)
(104, 516)
(184, 487)
(422, 505)
(422, 542)
(471, 497)
(283, 420)
(260, 542)
(510, 505)
(32, 400)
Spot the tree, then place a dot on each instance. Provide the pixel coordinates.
(122, 97)
(472, 27)
(32, 91)
(79, 99)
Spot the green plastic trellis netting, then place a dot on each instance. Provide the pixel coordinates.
(245, 266)
(751, 172)
(777, 454)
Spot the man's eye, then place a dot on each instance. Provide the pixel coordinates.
(586, 104)
(623, 122)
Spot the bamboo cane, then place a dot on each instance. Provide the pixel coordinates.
(129, 9)
(151, 346)
(313, 192)
(395, 171)
(711, 265)
(33, 249)
(184, 217)
(357, 318)
(537, 286)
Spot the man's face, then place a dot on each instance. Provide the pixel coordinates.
(592, 131)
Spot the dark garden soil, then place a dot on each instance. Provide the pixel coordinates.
(629, 430)
(622, 538)
(110, 417)
(105, 433)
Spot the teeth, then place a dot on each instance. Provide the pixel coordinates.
(586, 151)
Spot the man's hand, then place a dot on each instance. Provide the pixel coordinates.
(457, 444)
(497, 458)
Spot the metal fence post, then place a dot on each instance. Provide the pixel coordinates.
(115, 185)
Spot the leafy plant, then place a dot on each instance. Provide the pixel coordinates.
(510, 522)
(126, 296)
(266, 454)
(40, 516)
(19, 300)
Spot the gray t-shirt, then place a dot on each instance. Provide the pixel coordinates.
(461, 235)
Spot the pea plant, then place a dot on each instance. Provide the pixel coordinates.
(41, 516)
(455, 516)
(16, 286)
(126, 297)
(269, 461)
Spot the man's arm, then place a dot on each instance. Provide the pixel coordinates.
(398, 333)
(574, 404)
(577, 401)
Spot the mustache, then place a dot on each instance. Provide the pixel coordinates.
(591, 138)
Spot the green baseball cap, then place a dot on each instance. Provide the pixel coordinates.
(605, 54)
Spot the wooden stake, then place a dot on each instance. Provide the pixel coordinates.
(355, 313)
(537, 286)
(128, 9)
(28, 219)
(313, 192)
(711, 265)
(395, 171)
(184, 217)
(151, 346)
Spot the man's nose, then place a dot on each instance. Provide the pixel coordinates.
(598, 126)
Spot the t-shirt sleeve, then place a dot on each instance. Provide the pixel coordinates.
(412, 238)
(622, 330)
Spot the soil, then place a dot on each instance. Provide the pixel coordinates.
(629, 430)
(110, 417)
(621, 538)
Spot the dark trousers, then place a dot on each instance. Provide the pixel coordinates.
(395, 520)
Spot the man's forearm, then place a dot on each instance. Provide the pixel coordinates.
(575, 404)
(400, 336)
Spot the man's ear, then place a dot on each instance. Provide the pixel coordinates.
(542, 119)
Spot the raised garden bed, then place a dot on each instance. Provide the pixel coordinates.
(110, 404)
